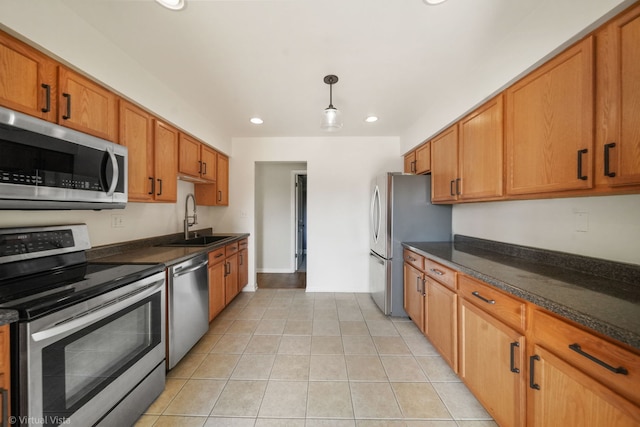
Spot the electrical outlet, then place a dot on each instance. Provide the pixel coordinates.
(582, 221)
(117, 221)
(244, 214)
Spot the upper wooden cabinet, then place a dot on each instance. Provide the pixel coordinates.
(419, 160)
(618, 101)
(549, 125)
(208, 157)
(153, 153)
(480, 153)
(410, 162)
(196, 160)
(86, 106)
(28, 80)
(222, 180)
(445, 184)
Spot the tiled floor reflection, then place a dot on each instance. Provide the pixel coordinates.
(284, 357)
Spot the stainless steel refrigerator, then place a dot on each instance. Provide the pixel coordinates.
(401, 211)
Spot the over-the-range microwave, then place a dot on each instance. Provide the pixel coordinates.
(46, 166)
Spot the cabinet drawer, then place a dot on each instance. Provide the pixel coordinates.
(442, 274)
(243, 244)
(504, 307)
(231, 248)
(597, 357)
(414, 259)
(216, 256)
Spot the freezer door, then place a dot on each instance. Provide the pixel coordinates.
(379, 282)
(378, 216)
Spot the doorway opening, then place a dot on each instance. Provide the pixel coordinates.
(281, 224)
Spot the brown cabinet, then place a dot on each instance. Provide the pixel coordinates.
(216, 194)
(618, 101)
(231, 276)
(86, 106)
(491, 352)
(217, 300)
(243, 263)
(410, 162)
(196, 160)
(419, 160)
(153, 152)
(445, 184)
(441, 320)
(549, 125)
(5, 368)
(28, 80)
(414, 293)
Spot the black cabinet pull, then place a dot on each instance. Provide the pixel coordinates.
(219, 196)
(532, 382)
(218, 256)
(607, 171)
(457, 186)
(418, 284)
(241, 260)
(580, 153)
(47, 102)
(160, 187)
(68, 115)
(451, 187)
(512, 357)
(477, 295)
(199, 167)
(619, 370)
(153, 185)
(205, 168)
(413, 167)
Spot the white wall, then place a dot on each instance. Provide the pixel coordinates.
(339, 172)
(274, 216)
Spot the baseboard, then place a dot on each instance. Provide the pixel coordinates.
(274, 270)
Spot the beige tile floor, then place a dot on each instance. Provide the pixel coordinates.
(284, 357)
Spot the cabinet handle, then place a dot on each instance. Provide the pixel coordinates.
(47, 102)
(532, 382)
(477, 295)
(513, 345)
(199, 167)
(160, 187)
(436, 271)
(5, 407)
(227, 269)
(153, 185)
(240, 260)
(205, 168)
(418, 284)
(219, 195)
(457, 186)
(410, 258)
(580, 153)
(619, 370)
(607, 171)
(68, 115)
(413, 167)
(218, 256)
(451, 187)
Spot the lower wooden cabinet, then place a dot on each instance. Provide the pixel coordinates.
(217, 301)
(414, 295)
(231, 278)
(441, 321)
(228, 274)
(243, 264)
(5, 369)
(561, 395)
(491, 364)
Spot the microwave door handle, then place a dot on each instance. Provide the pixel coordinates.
(115, 170)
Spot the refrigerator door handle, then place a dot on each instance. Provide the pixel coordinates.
(377, 258)
(376, 213)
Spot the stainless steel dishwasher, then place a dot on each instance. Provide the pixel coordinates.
(188, 306)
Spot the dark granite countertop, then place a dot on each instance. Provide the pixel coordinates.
(146, 252)
(599, 294)
(7, 316)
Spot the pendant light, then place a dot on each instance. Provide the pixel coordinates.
(172, 4)
(331, 116)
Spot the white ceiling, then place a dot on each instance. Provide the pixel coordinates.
(235, 59)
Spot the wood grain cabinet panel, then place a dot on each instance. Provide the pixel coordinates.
(189, 156)
(414, 295)
(441, 320)
(86, 106)
(5, 367)
(410, 162)
(549, 125)
(217, 266)
(28, 79)
(243, 264)
(618, 100)
(136, 133)
(444, 166)
(165, 161)
(423, 158)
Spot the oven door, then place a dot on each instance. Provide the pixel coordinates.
(82, 361)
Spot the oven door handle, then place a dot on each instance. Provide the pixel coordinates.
(99, 312)
(115, 170)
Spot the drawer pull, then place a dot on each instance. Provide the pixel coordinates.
(218, 255)
(619, 370)
(477, 295)
(532, 382)
(513, 345)
(411, 259)
(436, 271)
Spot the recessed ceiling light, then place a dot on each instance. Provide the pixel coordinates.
(371, 119)
(172, 4)
(256, 120)
(433, 2)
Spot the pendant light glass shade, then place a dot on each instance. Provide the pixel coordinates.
(331, 116)
(172, 4)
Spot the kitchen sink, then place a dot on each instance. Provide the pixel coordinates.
(198, 241)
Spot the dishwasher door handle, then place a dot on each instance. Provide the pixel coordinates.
(181, 271)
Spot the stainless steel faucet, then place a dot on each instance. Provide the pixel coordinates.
(189, 220)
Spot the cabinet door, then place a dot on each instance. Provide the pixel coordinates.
(444, 166)
(28, 80)
(231, 278)
(423, 158)
(561, 395)
(549, 125)
(410, 162)
(414, 295)
(480, 153)
(189, 156)
(86, 106)
(618, 108)
(5, 366)
(136, 133)
(208, 159)
(491, 364)
(243, 268)
(441, 326)
(217, 301)
(166, 162)
(222, 181)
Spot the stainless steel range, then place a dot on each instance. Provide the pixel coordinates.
(89, 347)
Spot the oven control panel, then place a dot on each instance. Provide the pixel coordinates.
(35, 241)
